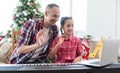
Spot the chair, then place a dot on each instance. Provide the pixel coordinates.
(15, 38)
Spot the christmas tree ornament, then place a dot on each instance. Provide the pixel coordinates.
(31, 4)
(26, 10)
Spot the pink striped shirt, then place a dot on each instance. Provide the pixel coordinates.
(68, 50)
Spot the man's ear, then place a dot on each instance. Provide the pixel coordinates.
(46, 13)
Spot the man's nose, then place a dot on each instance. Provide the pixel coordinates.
(56, 19)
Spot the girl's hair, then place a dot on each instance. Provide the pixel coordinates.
(62, 22)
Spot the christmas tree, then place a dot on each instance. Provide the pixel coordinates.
(24, 11)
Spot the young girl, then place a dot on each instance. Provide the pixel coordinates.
(67, 48)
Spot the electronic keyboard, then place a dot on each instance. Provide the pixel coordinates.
(57, 68)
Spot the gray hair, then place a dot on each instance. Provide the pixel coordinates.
(49, 6)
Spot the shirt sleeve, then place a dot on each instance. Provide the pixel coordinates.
(24, 38)
(25, 34)
(79, 48)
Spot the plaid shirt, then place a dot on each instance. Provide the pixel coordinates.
(28, 37)
(68, 50)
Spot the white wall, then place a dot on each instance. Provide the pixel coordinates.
(101, 18)
(118, 19)
(79, 14)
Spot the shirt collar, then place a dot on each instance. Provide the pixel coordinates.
(72, 38)
(41, 23)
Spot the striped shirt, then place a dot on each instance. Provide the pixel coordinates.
(28, 37)
(38, 50)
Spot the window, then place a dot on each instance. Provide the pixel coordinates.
(79, 13)
(6, 11)
(75, 8)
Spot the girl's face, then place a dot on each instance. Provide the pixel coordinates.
(68, 27)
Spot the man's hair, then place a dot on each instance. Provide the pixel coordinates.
(49, 6)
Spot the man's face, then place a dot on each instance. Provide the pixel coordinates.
(52, 15)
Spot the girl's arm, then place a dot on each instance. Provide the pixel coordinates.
(55, 47)
(53, 52)
(79, 52)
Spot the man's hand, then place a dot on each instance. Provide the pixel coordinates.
(40, 38)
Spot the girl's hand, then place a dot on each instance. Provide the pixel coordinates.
(77, 59)
(61, 39)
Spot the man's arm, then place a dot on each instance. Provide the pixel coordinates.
(26, 36)
(29, 48)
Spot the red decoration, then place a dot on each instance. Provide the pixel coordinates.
(1, 38)
(31, 4)
(22, 22)
(14, 17)
(86, 49)
(33, 17)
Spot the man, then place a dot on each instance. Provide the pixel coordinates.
(36, 37)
